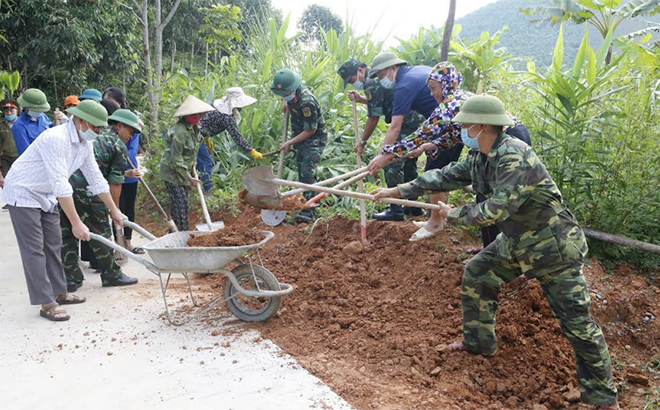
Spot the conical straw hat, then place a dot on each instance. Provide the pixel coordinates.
(193, 105)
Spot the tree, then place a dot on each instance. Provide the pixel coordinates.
(155, 75)
(604, 15)
(317, 18)
(220, 29)
(449, 28)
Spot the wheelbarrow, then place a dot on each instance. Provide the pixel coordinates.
(251, 292)
(263, 188)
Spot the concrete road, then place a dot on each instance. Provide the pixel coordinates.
(117, 352)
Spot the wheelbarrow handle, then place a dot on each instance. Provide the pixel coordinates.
(123, 251)
(140, 229)
(308, 187)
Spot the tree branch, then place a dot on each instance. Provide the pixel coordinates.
(170, 15)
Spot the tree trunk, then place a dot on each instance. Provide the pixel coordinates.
(206, 61)
(192, 57)
(449, 28)
(153, 104)
(173, 56)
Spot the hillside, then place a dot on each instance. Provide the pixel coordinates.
(535, 40)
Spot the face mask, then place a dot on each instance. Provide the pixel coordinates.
(387, 83)
(289, 97)
(10, 117)
(193, 119)
(33, 114)
(472, 143)
(358, 85)
(87, 135)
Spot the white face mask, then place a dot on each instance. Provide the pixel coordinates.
(87, 135)
(289, 97)
(387, 83)
(358, 85)
(33, 114)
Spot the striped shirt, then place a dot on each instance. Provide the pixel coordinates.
(41, 174)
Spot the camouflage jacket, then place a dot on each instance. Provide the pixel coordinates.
(380, 101)
(110, 154)
(305, 114)
(181, 145)
(7, 143)
(522, 200)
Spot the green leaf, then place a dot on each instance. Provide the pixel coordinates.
(604, 48)
(591, 67)
(558, 55)
(581, 55)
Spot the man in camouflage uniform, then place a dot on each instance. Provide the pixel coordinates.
(110, 153)
(307, 124)
(379, 102)
(540, 238)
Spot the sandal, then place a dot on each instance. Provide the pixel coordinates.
(457, 347)
(422, 234)
(420, 224)
(51, 312)
(69, 299)
(137, 250)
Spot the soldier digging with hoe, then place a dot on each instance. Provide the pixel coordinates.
(540, 238)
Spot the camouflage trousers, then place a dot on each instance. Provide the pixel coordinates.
(399, 172)
(566, 291)
(308, 156)
(95, 216)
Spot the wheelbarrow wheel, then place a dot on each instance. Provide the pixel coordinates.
(247, 308)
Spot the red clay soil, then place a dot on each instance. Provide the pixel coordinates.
(373, 322)
(230, 236)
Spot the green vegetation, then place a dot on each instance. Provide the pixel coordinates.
(594, 122)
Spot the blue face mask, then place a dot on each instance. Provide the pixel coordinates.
(289, 97)
(87, 135)
(358, 85)
(387, 83)
(10, 117)
(472, 143)
(33, 114)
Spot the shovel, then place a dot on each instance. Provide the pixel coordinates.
(273, 217)
(168, 220)
(208, 226)
(260, 182)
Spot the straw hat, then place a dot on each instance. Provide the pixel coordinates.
(192, 105)
(234, 97)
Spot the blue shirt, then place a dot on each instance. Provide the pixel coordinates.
(133, 147)
(26, 131)
(412, 93)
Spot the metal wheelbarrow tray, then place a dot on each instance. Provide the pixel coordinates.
(251, 292)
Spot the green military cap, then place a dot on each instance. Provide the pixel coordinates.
(126, 117)
(383, 61)
(34, 99)
(285, 82)
(349, 68)
(91, 111)
(483, 109)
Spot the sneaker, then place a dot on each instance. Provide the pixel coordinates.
(120, 280)
(393, 213)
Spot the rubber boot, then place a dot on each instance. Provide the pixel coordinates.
(413, 211)
(393, 213)
(305, 216)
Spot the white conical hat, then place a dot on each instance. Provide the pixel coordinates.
(234, 97)
(192, 105)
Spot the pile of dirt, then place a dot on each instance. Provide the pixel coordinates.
(230, 236)
(289, 203)
(373, 322)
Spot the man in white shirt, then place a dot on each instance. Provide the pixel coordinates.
(37, 182)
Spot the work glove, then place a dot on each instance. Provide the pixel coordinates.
(209, 143)
(256, 155)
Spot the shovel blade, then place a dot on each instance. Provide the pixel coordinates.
(271, 217)
(214, 226)
(257, 181)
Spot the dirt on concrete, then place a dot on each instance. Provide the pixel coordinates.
(373, 322)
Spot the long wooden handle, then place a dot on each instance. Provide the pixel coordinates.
(358, 177)
(285, 129)
(622, 240)
(326, 182)
(151, 194)
(363, 207)
(334, 191)
(205, 210)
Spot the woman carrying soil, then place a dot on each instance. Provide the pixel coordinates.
(176, 165)
(540, 239)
